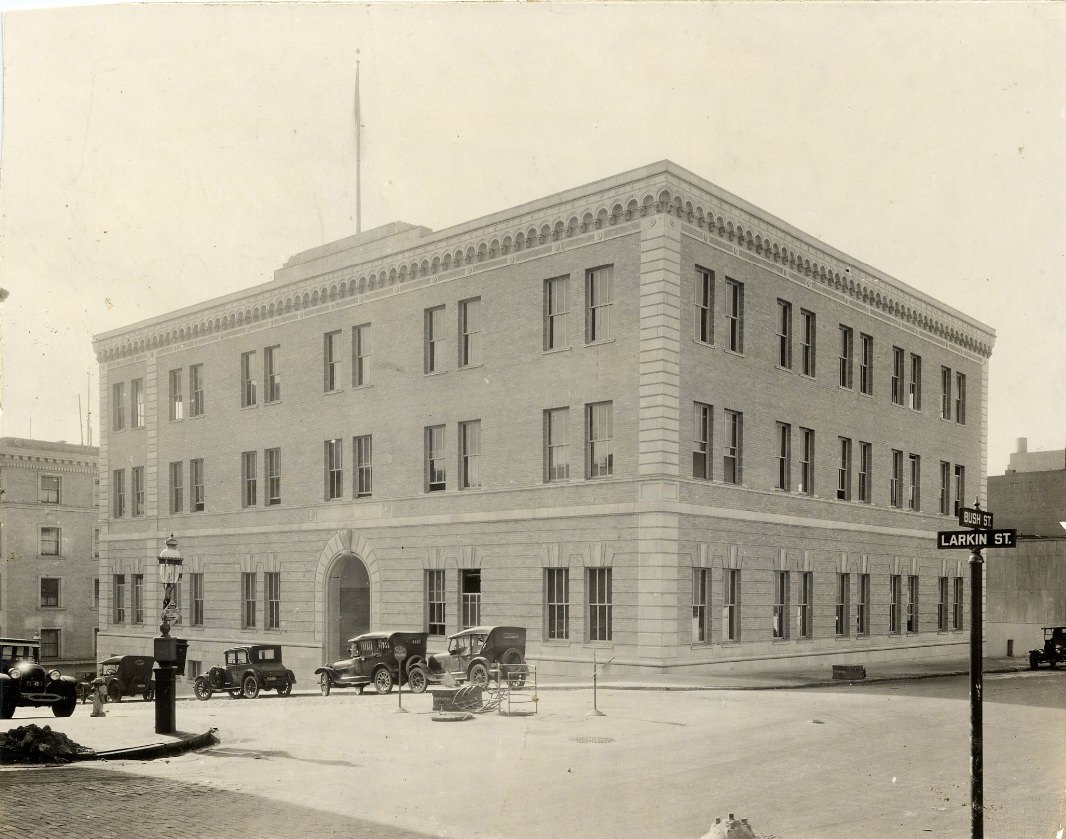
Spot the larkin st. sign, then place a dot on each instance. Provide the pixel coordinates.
(977, 539)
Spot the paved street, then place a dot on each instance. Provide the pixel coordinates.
(886, 759)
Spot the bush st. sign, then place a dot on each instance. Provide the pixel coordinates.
(971, 517)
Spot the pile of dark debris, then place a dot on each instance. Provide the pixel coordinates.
(34, 744)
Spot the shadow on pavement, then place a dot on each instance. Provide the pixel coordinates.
(1029, 691)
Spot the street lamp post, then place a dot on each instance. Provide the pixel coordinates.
(166, 648)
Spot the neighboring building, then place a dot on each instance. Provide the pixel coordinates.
(3, 297)
(49, 559)
(640, 415)
(1027, 585)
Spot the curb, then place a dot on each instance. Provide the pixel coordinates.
(186, 743)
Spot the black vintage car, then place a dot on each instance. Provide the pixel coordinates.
(1054, 650)
(372, 660)
(24, 682)
(248, 670)
(479, 653)
(128, 675)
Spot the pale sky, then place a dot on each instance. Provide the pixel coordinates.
(155, 156)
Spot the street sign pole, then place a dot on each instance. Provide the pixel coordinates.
(977, 829)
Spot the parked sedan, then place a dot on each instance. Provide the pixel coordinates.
(248, 670)
(372, 660)
(24, 682)
(478, 653)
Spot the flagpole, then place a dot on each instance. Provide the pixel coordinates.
(358, 155)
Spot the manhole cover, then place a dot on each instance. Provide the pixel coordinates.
(592, 739)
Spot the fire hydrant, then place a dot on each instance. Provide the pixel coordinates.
(98, 698)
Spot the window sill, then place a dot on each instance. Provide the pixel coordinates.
(431, 373)
(599, 343)
(363, 386)
(477, 366)
(553, 350)
(51, 556)
(738, 353)
(700, 343)
(783, 369)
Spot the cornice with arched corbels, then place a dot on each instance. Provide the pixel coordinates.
(496, 244)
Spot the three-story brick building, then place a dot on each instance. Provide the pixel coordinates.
(640, 414)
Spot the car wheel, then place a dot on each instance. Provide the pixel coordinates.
(325, 683)
(149, 694)
(511, 667)
(114, 692)
(65, 707)
(416, 680)
(8, 702)
(250, 686)
(479, 673)
(285, 688)
(382, 680)
(202, 689)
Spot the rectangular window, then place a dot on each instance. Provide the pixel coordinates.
(470, 454)
(118, 598)
(784, 334)
(897, 376)
(784, 456)
(557, 444)
(118, 493)
(781, 587)
(735, 315)
(866, 364)
(96, 543)
(363, 448)
(701, 598)
(177, 403)
(732, 462)
(272, 464)
(248, 600)
(249, 485)
(361, 355)
(895, 606)
(557, 603)
(945, 393)
(731, 604)
(896, 485)
(196, 485)
(196, 598)
(912, 604)
(50, 643)
(556, 309)
(137, 403)
(137, 490)
(49, 592)
(847, 349)
(334, 467)
(843, 591)
(435, 603)
(704, 305)
(118, 406)
(331, 361)
(960, 398)
(433, 340)
(945, 488)
(866, 460)
(599, 418)
(960, 488)
(96, 594)
(862, 611)
(942, 604)
(810, 333)
(844, 470)
(249, 377)
(598, 306)
(51, 541)
(48, 490)
(470, 332)
(177, 498)
(196, 388)
(272, 581)
(807, 462)
(470, 597)
(703, 433)
(436, 469)
(806, 604)
(137, 598)
(957, 605)
(914, 386)
(601, 605)
(272, 373)
(914, 490)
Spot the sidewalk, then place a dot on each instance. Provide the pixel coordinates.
(122, 734)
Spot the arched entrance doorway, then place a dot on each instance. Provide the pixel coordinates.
(347, 603)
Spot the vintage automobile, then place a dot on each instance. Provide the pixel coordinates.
(24, 682)
(248, 670)
(1054, 649)
(479, 653)
(128, 675)
(372, 660)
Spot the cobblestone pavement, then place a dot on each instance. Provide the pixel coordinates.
(108, 804)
